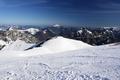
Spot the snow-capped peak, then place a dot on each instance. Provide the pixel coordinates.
(56, 25)
(11, 28)
(32, 30)
(81, 31)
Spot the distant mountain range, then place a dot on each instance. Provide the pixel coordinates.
(35, 35)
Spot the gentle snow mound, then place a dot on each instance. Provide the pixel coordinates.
(60, 44)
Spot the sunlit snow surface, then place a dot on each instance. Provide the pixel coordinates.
(90, 63)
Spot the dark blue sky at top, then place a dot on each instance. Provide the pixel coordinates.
(65, 12)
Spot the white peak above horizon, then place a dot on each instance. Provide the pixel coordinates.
(56, 25)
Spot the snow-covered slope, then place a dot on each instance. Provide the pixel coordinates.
(61, 44)
(88, 63)
(96, 63)
(18, 45)
(52, 46)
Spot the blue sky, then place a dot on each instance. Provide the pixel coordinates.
(65, 12)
